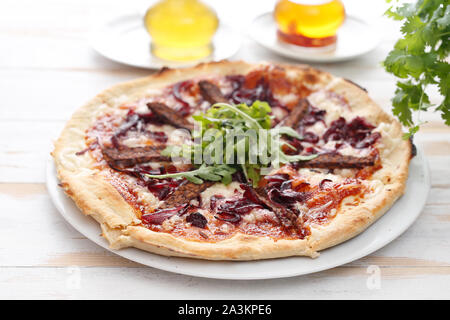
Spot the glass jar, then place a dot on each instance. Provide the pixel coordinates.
(181, 30)
(309, 23)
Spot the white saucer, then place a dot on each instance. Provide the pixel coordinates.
(125, 40)
(391, 225)
(355, 38)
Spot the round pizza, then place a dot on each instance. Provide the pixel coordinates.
(233, 161)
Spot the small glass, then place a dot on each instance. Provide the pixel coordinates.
(309, 23)
(181, 30)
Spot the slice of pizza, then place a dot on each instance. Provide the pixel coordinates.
(339, 162)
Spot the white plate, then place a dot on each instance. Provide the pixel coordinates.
(125, 40)
(355, 38)
(383, 231)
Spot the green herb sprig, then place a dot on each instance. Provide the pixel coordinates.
(419, 58)
(229, 125)
(212, 173)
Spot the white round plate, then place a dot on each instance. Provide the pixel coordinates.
(125, 40)
(387, 228)
(355, 38)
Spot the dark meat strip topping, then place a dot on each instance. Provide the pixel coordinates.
(169, 116)
(211, 93)
(126, 157)
(337, 161)
(185, 193)
(287, 218)
(293, 118)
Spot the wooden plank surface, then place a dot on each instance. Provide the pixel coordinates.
(47, 70)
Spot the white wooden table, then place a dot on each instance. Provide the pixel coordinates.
(47, 70)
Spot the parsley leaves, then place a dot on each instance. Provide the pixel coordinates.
(419, 58)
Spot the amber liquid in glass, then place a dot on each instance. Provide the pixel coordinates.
(309, 23)
(181, 30)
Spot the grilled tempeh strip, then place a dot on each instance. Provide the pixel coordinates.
(211, 92)
(287, 218)
(185, 193)
(126, 157)
(337, 161)
(292, 119)
(170, 116)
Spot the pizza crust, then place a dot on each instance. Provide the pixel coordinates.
(95, 196)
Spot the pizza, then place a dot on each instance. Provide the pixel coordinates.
(343, 162)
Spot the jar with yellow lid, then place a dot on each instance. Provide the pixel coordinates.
(181, 30)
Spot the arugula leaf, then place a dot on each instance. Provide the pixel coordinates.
(212, 173)
(419, 58)
(237, 134)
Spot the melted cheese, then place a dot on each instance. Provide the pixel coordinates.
(257, 215)
(136, 141)
(321, 100)
(388, 143)
(317, 128)
(169, 224)
(291, 74)
(220, 189)
(279, 113)
(315, 176)
(226, 227)
(287, 99)
(348, 150)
